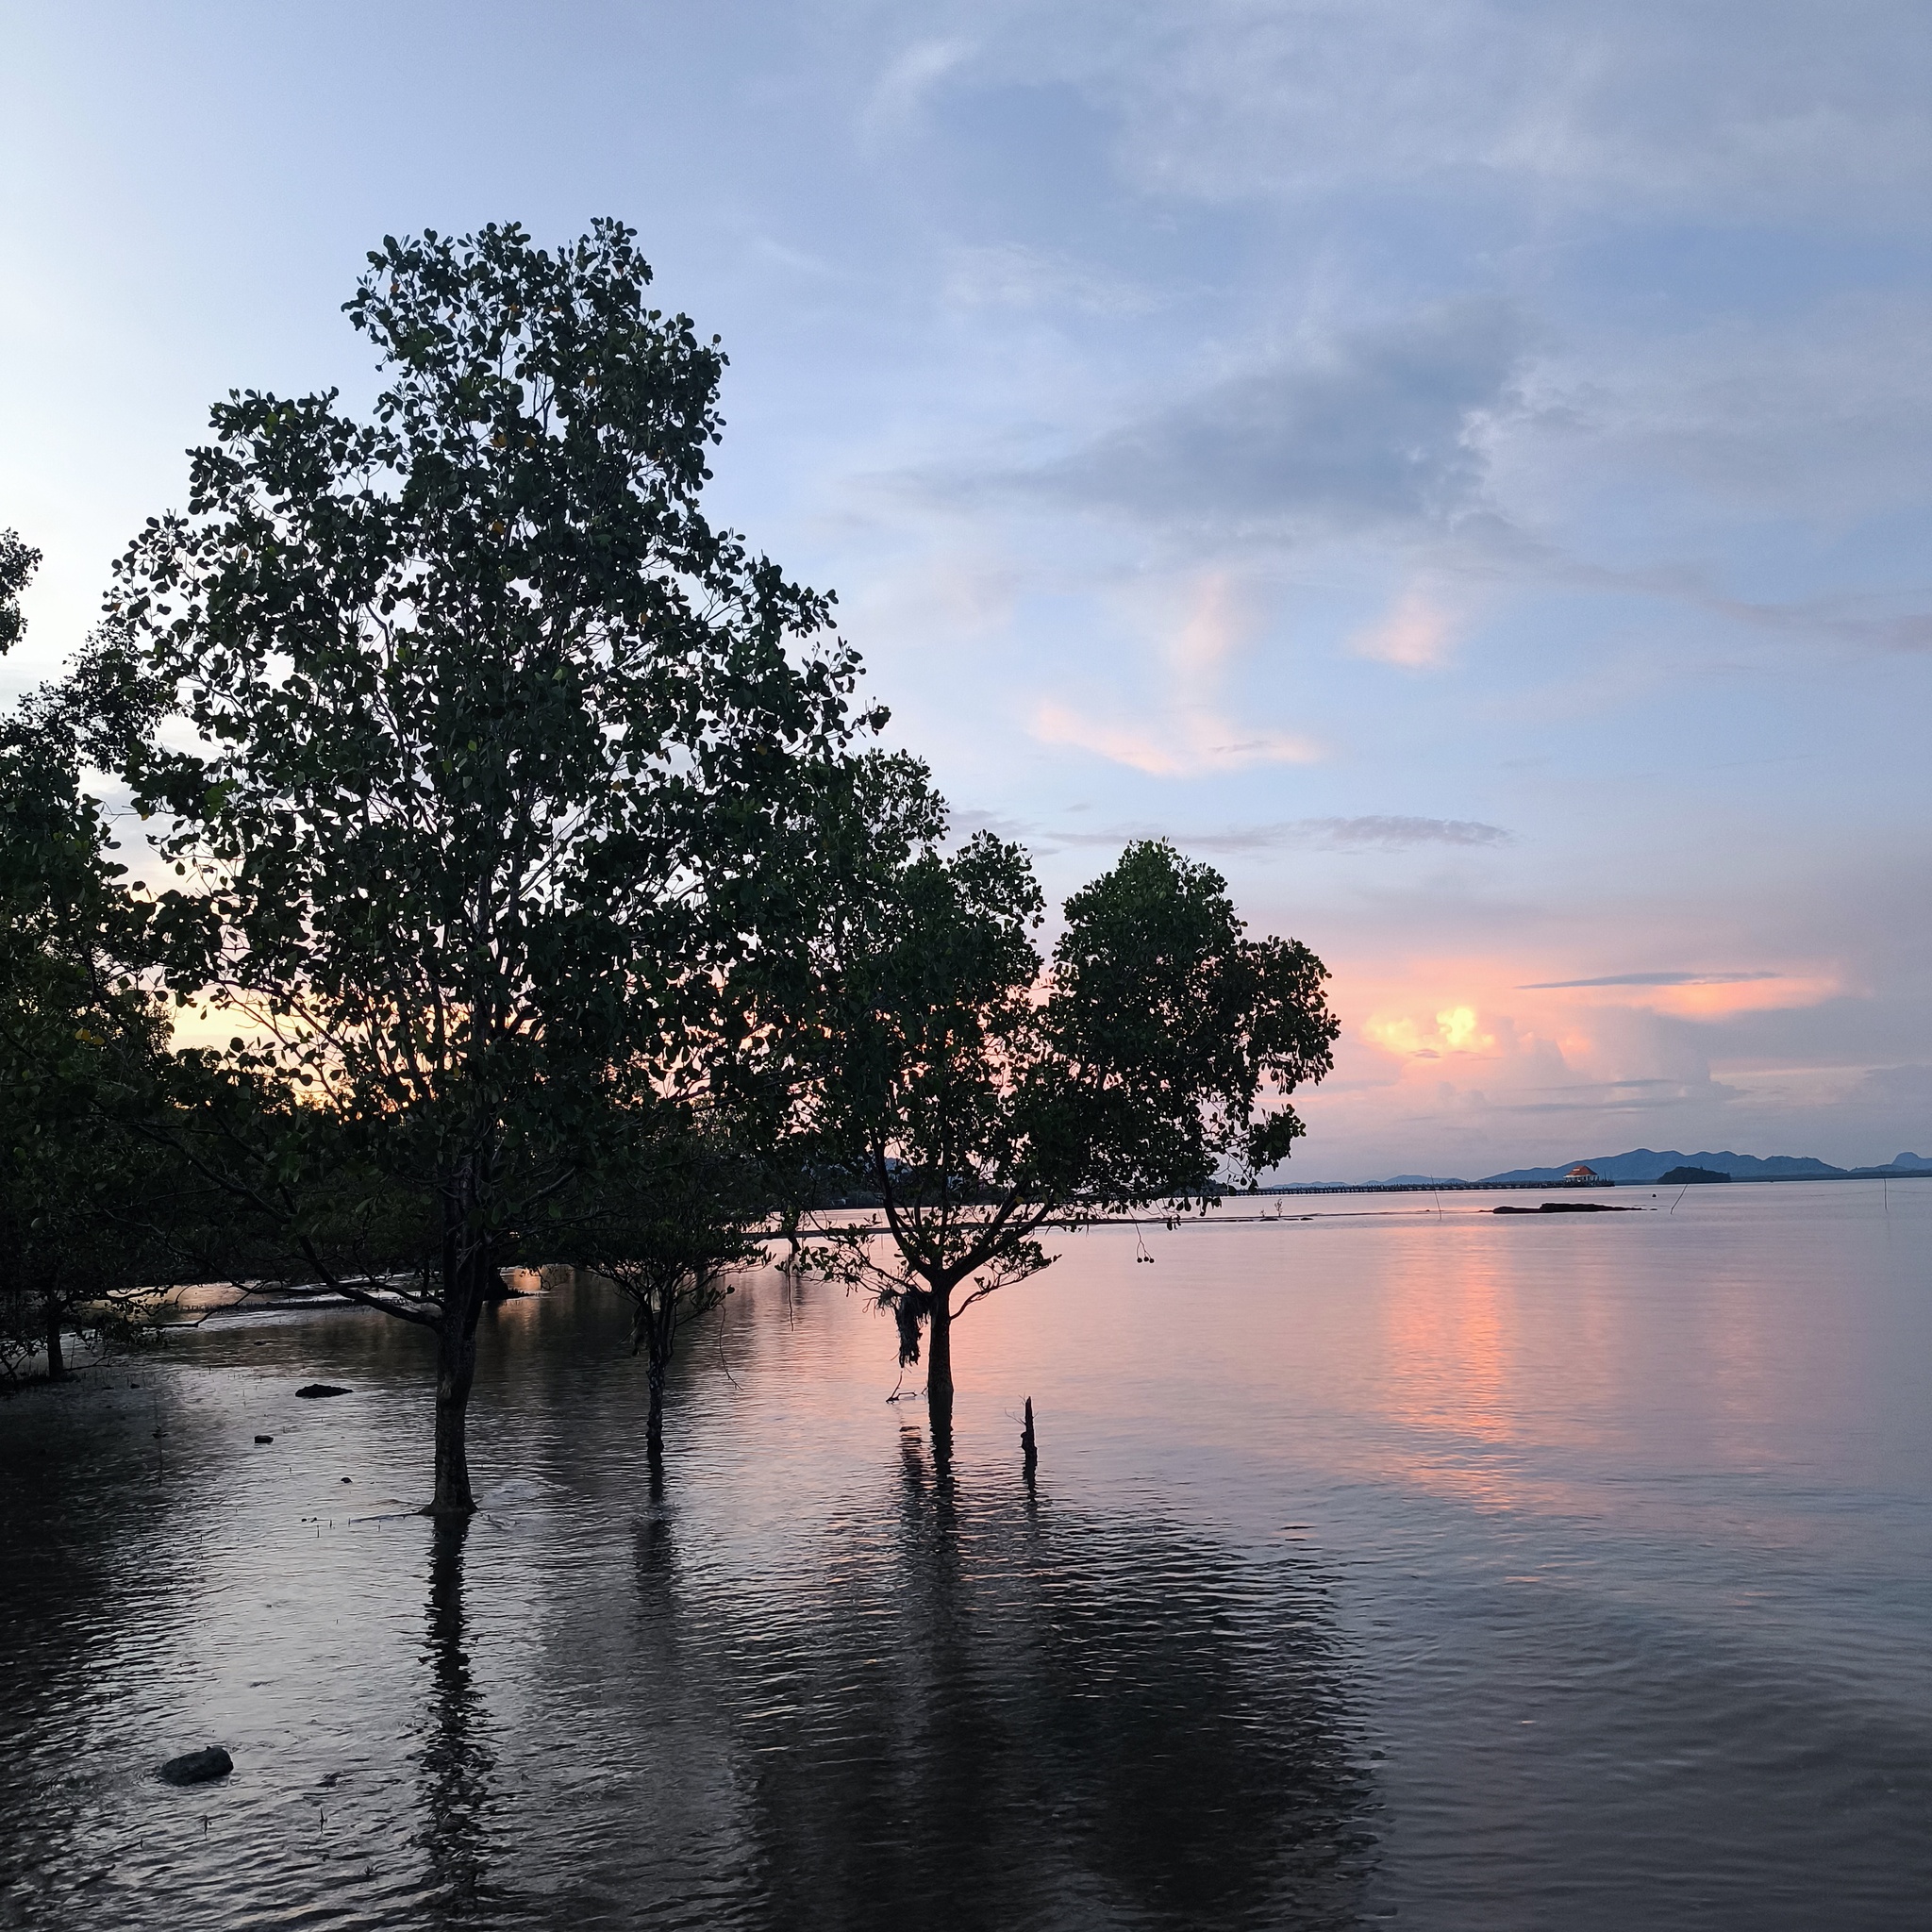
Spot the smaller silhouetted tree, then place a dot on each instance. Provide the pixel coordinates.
(987, 1094)
(678, 1202)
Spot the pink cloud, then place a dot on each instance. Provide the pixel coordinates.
(1195, 734)
(1417, 634)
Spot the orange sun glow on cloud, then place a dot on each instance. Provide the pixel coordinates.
(1530, 1034)
(1454, 1029)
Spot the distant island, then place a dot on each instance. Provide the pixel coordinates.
(1645, 1164)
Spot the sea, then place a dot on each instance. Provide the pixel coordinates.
(1386, 1561)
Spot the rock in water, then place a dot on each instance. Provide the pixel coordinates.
(264, 1438)
(197, 1767)
(320, 1389)
(1568, 1207)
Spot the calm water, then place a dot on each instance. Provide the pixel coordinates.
(1467, 1571)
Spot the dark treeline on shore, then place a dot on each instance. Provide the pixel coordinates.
(525, 882)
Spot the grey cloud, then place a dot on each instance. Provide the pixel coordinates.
(1854, 620)
(1396, 834)
(1606, 1086)
(1778, 109)
(1767, 110)
(1909, 1086)
(1372, 428)
(1822, 415)
(1677, 1098)
(1389, 834)
(1842, 619)
(1649, 979)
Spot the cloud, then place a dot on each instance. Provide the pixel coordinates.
(1823, 414)
(1010, 274)
(1416, 634)
(909, 78)
(1762, 110)
(1707, 996)
(1648, 979)
(1395, 834)
(1773, 109)
(1196, 741)
(1902, 1097)
(1195, 734)
(1346, 835)
(1372, 429)
(1457, 1029)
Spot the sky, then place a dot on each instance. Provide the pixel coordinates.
(1462, 469)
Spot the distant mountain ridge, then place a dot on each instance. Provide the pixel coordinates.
(1647, 1164)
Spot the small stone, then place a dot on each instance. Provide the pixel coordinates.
(320, 1389)
(198, 1767)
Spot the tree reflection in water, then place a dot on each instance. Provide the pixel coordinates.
(996, 1711)
(955, 1704)
(455, 1760)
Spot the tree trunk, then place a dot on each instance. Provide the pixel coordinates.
(57, 1363)
(466, 1275)
(455, 1370)
(939, 1369)
(653, 1422)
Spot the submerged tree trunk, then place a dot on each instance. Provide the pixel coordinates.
(938, 1368)
(664, 1345)
(455, 1370)
(466, 1275)
(455, 1367)
(653, 1422)
(654, 1330)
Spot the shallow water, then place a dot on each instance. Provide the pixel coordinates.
(1543, 1572)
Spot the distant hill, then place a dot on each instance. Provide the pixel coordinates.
(1423, 1180)
(1899, 1163)
(1646, 1164)
(1685, 1175)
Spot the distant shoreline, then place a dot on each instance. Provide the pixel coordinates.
(1754, 1180)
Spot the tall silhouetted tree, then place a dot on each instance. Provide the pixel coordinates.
(496, 736)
